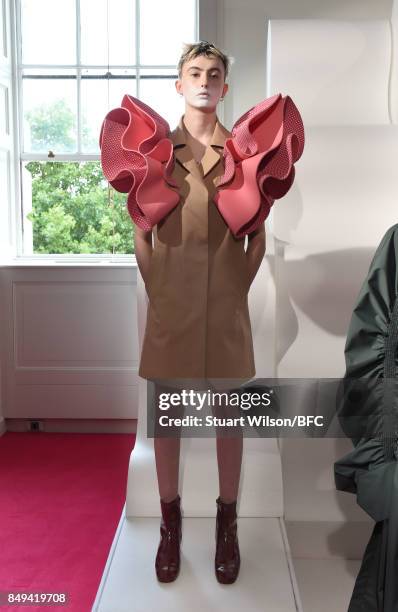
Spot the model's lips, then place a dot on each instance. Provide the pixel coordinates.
(206, 95)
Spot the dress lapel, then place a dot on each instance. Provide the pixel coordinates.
(212, 154)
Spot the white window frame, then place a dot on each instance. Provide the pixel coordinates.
(205, 25)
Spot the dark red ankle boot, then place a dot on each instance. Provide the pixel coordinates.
(227, 559)
(167, 562)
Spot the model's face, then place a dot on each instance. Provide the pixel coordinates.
(202, 82)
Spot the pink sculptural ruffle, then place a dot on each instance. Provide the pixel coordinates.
(137, 157)
(258, 160)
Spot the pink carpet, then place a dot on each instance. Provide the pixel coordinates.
(61, 498)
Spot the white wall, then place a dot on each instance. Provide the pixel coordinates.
(7, 160)
(70, 347)
(242, 33)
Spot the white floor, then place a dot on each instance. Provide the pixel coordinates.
(265, 581)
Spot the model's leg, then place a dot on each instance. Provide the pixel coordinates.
(167, 457)
(229, 448)
(167, 452)
(229, 459)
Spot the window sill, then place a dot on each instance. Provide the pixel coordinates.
(54, 261)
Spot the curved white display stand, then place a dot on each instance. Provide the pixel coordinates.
(328, 226)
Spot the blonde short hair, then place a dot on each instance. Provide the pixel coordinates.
(192, 50)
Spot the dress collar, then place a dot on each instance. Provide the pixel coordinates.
(211, 156)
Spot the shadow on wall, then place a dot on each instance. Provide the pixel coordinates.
(323, 286)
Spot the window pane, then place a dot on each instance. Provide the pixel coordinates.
(48, 31)
(49, 112)
(94, 32)
(68, 209)
(98, 96)
(164, 26)
(161, 95)
(68, 206)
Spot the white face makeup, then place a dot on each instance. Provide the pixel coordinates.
(202, 82)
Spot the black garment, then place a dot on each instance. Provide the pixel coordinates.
(368, 415)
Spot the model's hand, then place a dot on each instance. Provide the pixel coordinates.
(255, 251)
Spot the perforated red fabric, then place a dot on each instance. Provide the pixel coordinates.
(137, 158)
(258, 158)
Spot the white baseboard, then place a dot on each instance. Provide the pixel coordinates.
(76, 425)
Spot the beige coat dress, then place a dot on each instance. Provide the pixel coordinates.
(198, 324)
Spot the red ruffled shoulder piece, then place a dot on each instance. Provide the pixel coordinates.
(137, 158)
(265, 142)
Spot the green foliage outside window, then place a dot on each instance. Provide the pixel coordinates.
(72, 210)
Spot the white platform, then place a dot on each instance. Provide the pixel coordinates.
(265, 582)
(270, 578)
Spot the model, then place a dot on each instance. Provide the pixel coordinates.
(197, 191)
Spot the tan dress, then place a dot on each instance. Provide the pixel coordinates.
(198, 323)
